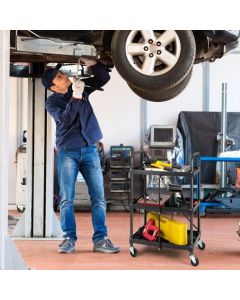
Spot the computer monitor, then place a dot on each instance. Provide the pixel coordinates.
(162, 136)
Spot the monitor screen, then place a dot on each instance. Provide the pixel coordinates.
(162, 136)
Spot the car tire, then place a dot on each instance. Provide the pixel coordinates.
(165, 95)
(177, 49)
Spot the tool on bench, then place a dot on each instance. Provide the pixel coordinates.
(165, 166)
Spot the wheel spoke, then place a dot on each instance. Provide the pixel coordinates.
(167, 58)
(148, 35)
(167, 37)
(135, 49)
(148, 65)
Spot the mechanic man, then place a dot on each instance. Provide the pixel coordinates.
(77, 132)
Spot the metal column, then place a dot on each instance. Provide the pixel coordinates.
(206, 72)
(10, 258)
(223, 133)
(39, 219)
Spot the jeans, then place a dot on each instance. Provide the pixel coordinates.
(87, 161)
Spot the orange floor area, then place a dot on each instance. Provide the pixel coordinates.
(218, 232)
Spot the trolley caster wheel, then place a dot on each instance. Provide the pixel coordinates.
(194, 260)
(133, 251)
(201, 245)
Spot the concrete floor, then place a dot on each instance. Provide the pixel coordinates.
(222, 250)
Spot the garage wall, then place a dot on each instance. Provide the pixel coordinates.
(166, 113)
(225, 70)
(118, 113)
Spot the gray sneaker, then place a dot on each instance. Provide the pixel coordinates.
(105, 246)
(67, 245)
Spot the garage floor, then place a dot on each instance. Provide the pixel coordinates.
(218, 232)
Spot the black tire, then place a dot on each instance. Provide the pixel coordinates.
(165, 95)
(129, 65)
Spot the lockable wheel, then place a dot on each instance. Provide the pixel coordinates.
(201, 245)
(194, 260)
(133, 251)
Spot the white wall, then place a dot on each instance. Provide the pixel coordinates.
(166, 113)
(118, 111)
(226, 69)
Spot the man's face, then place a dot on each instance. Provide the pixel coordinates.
(61, 83)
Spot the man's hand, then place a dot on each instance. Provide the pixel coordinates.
(88, 62)
(77, 87)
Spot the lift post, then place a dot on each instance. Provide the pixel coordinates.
(39, 219)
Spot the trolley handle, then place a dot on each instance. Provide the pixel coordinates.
(195, 162)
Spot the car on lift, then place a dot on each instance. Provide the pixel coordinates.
(156, 64)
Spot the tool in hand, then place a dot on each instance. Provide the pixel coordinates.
(77, 76)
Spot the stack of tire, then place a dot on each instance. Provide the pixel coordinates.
(157, 65)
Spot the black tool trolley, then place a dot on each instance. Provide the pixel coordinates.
(188, 207)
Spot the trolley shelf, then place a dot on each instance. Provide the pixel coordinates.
(156, 208)
(159, 172)
(165, 244)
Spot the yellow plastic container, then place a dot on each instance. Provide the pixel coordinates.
(171, 230)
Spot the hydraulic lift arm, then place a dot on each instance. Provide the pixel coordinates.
(44, 46)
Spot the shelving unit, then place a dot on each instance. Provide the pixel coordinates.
(120, 163)
(119, 175)
(189, 211)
